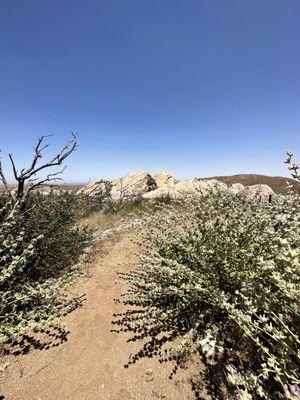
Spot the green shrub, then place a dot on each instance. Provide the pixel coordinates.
(223, 276)
(39, 250)
(54, 217)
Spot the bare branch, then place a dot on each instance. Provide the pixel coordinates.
(4, 181)
(38, 150)
(59, 158)
(14, 166)
(29, 175)
(50, 178)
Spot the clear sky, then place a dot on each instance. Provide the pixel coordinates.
(197, 87)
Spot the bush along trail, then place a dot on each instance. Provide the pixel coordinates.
(222, 277)
(90, 363)
(193, 298)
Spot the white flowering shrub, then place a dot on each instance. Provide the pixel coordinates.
(222, 277)
(38, 254)
(55, 217)
(293, 167)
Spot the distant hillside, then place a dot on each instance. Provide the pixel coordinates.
(277, 183)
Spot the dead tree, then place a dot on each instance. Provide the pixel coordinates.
(27, 179)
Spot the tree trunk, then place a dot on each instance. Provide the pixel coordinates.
(20, 190)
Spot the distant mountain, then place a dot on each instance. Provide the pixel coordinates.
(277, 183)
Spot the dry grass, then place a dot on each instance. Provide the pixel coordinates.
(99, 221)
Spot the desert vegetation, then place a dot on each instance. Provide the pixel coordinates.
(221, 278)
(39, 247)
(217, 274)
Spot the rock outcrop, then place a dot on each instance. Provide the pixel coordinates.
(163, 191)
(191, 187)
(260, 192)
(128, 187)
(94, 188)
(163, 184)
(214, 186)
(133, 185)
(235, 188)
(163, 179)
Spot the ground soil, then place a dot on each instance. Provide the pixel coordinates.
(89, 365)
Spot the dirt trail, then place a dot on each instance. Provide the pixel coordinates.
(90, 364)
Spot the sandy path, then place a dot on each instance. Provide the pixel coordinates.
(90, 365)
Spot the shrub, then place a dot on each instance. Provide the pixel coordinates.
(292, 166)
(54, 217)
(39, 243)
(39, 249)
(223, 276)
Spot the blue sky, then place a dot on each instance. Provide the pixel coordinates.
(197, 87)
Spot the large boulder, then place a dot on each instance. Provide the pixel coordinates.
(192, 187)
(178, 191)
(161, 192)
(259, 192)
(213, 186)
(235, 188)
(95, 188)
(164, 179)
(129, 187)
(200, 187)
(132, 185)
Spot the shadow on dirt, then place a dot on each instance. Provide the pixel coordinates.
(208, 379)
(157, 343)
(43, 340)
